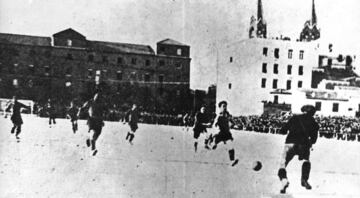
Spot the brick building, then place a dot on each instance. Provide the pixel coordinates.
(69, 66)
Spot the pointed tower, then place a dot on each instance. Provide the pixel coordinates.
(261, 26)
(313, 14)
(310, 32)
(259, 10)
(258, 26)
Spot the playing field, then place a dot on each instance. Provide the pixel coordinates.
(54, 162)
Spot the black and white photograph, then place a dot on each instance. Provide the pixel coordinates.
(179, 99)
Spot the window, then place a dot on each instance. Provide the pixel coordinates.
(68, 71)
(133, 61)
(229, 85)
(178, 51)
(104, 59)
(161, 50)
(15, 82)
(68, 84)
(147, 62)
(97, 76)
(288, 84)
(69, 56)
(276, 53)
(47, 54)
(276, 68)
(301, 55)
(161, 78)
(69, 42)
(161, 90)
(276, 99)
(318, 106)
(263, 82)
(329, 62)
(90, 73)
(30, 83)
(264, 68)
(119, 75)
(15, 52)
(161, 62)
(290, 53)
(265, 51)
(301, 70)
(231, 59)
(300, 84)
(147, 77)
(32, 52)
(178, 65)
(133, 76)
(15, 68)
(104, 72)
(91, 58)
(119, 60)
(335, 107)
(47, 70)
(289, 69)
(275, 83)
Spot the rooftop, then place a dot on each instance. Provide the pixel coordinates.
(24, 39)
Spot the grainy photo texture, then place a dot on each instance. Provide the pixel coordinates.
(179, 98)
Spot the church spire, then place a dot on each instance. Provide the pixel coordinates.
(258, 26)
(259, 10)
(313, 14)
(310, 31)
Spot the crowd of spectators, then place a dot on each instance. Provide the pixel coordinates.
(340, 128)
(331, 127)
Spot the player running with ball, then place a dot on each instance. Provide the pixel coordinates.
(222, 122)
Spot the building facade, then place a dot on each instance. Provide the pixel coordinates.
(69, 66)
(254, 71)
(263, 75)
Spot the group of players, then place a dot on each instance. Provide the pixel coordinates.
(96, 110)
(302, 131)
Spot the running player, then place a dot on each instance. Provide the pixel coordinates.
(95, 121)
(303, 132)
(72, 115)
(222, 121)
(201, 122)
(16, 115)
(51, 112)
(132, 117)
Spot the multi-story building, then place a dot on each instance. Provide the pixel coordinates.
(262, 74)
(69, 66)
(254, 71)
(260, 69)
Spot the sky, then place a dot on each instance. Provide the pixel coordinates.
(205, 25)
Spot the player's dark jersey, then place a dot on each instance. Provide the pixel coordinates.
(200, 120)
(223, 122)
(16, 114)
(16, 108)
(50, 107)
(72, 112)
(96, 109)
(303, 129)
(132, 116)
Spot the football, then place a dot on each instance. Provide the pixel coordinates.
(257, 166)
